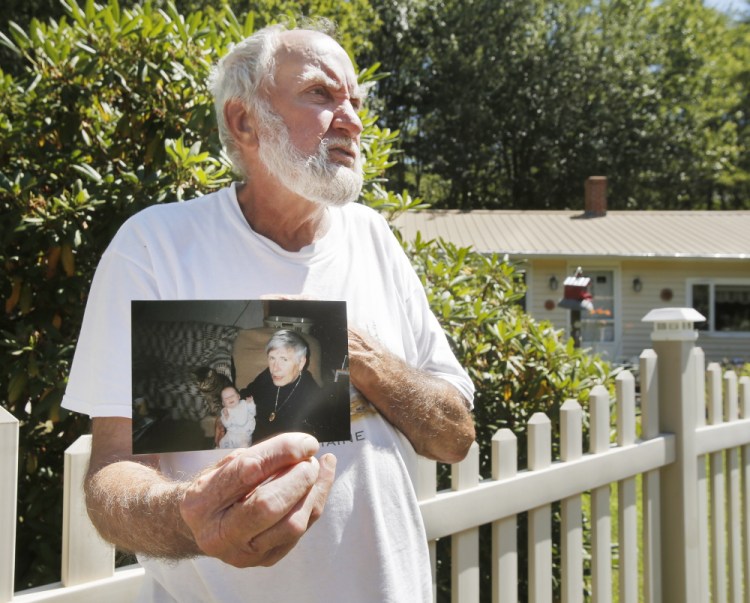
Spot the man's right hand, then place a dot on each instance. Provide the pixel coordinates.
(255, 504)
(249, 509)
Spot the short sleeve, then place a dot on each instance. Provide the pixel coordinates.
(100, 378)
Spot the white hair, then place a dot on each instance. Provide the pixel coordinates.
(292, 340)
(241, 75)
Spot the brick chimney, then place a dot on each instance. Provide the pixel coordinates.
(595, 197)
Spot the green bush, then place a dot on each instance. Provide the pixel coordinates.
(520, 366)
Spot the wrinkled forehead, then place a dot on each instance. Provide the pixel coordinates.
(310, 56)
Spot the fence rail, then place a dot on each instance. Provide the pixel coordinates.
(692, 458)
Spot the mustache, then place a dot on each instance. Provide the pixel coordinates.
(340, 142)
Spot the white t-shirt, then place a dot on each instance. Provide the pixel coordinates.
(369, 545)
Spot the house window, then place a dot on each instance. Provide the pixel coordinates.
(726, 306)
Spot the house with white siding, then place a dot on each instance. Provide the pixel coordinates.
(636, 260)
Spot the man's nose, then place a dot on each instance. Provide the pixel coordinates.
(346, 118)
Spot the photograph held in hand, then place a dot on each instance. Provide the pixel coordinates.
(227, 374)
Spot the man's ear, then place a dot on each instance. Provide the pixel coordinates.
(240, 123)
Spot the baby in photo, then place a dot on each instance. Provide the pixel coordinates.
(238, 418)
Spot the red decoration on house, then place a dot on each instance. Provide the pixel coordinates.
(576, 295)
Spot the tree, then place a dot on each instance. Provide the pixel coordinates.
(737, 181)
(514, 104)
(699, 58)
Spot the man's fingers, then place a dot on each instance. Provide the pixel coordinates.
(212, 496)
(355, 338)
(270, 508)
(270, 502)
(275, 542)
(257, 463)
(252, 507)
(322, 487)
(244, 469)
(227, 533)
(309, 507)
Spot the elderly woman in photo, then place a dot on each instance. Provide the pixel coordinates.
(286, 396)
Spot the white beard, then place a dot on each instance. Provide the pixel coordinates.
(314, 177)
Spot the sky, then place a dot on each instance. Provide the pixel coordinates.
(729, 6)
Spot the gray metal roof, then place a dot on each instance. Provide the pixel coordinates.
(625, 234)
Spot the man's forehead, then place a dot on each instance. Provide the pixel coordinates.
(315, 56)
(313, 74)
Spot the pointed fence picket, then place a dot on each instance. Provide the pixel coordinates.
(601, 519)
(571, 449)
(651, 497)
(504, 540)
(540, 524)
(627, 506)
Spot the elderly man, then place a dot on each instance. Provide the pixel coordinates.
(325, 528)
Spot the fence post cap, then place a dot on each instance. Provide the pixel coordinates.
(674, 324)
(674, 315)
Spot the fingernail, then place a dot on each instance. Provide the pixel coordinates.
(329, 461)
(310, 445)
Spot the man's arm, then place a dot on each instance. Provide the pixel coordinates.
(432, 413)
(249, 509)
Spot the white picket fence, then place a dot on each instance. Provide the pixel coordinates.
(692, 457)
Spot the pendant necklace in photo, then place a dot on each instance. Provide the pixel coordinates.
(276, 406)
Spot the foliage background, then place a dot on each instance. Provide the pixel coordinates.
(514, 104)
(520, 366)
(104, 110)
